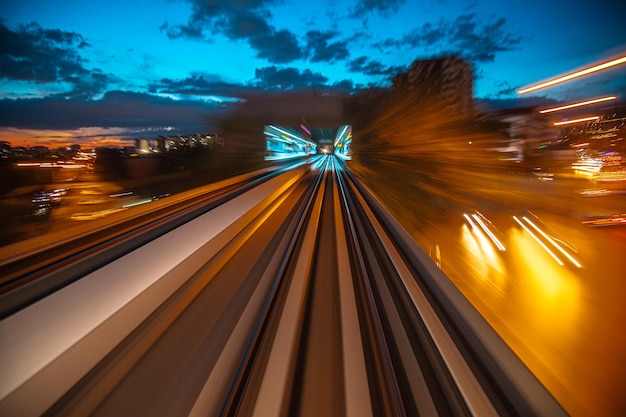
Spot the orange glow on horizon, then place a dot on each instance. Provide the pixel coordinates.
(573, 75)
(87, 138)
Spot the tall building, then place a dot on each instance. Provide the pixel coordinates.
(448, 81)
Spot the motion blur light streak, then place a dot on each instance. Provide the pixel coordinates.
(552, 293)
(591, 165)
(538, 240)
(124, 194)
(138, 203)
(485, 229)
(493, 238)
(573, 75)
(553, 242)
(285, 144)
(469, 220)
(582, 119)
(485, 259)
(303, 127)
(580, 104)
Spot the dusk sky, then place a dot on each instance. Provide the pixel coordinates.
(103, 72)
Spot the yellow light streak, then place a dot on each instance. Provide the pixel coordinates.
(576, 74)
(486, 261)
(489, 232)
(583, 119)
(553, 242)
(579, 104)
(469, 219)
(543, 245)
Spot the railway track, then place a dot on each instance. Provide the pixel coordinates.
(300, 296)
(63, 262)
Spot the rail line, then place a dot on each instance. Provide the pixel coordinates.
(62, 262)
(298, 296)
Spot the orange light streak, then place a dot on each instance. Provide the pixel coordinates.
(584, 119)
(579, 104)
(576, 74)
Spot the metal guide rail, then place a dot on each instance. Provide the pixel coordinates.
(301, 296)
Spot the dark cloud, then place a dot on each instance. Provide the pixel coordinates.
(139, 112)
(345, 86)
(183, 31)
(201, 85)
(267, 80)
(321, 50)
(504, 89)
(465, 36)
(239, 20)
(382, 7)
(34, 54)
(271, 78)
(276, 47)
(368, 67)
(115, 109)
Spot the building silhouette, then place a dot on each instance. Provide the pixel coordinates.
(446, 81)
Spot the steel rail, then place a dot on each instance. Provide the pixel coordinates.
(280, 279)
(101, 321)
(330, 255)
(463, 394)
(509, 384)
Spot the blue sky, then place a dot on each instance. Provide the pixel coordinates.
(104, 71)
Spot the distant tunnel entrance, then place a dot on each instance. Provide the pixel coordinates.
(283, 142)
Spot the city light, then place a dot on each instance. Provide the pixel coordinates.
(573, 75)
(583, 119)
(579, 104)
